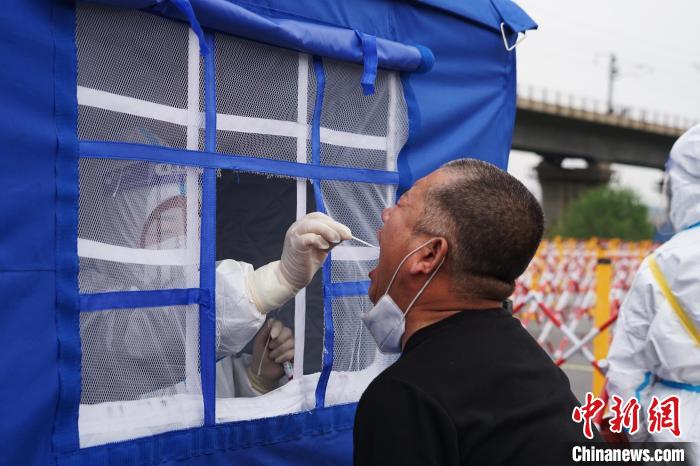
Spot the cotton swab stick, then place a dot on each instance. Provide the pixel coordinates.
(364, 242)
(263, 355)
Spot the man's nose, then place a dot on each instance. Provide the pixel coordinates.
(386, 213)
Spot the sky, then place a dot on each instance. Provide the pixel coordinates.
(657, 52)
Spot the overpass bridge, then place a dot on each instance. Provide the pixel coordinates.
(559, 126)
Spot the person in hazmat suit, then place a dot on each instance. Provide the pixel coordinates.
(135, 353)
(655, 350)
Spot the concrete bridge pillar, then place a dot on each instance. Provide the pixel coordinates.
(562, 185)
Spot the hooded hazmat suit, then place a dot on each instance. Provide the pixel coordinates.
(144, 207)
(653, 353)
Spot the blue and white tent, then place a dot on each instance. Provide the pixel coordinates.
(142, 140)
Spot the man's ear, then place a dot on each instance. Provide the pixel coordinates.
(429, 257)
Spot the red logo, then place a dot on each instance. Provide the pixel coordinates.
(587, 413)
(664, 415)
(626, 415)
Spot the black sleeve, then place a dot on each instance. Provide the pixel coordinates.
(397, 424)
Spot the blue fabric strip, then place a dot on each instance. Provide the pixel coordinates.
(645, 383)
(65, 437)
(327, 358)
(322, 436)
(186, 8)
(413, 113)
(336, 290)
(328, 338)
(680, 385)
(135, 299)
(694, 225)
(369, 61)
(312, 37)
(210, 159)
(207, 276)
(320, 75)
(513, 16)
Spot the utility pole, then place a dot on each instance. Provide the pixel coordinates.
(613, 72)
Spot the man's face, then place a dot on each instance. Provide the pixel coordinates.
(396, 237)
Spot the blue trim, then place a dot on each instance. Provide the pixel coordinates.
(65, 437)
(320, 75)
(427, 61)
(369, 62)
(513, 16)
(185, 8)
(243, 440)
(328, 338)
(135, 299)
(127, 151)
(694, 225)
(207, 268)
(680, 385)
(327, 358)
(336, 290)
(414, 123)
(642, 386)
(313, 38)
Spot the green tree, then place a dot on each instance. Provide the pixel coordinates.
(606, 213)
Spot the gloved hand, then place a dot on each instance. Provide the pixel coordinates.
(272, 347)
(306, 246)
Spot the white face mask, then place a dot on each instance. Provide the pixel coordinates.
(385, 321)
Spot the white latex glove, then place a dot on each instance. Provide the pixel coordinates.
(306, 246)
(272, 347)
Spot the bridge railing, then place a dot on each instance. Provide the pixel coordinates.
(576, 106)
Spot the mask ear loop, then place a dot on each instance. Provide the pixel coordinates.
(425, 285)
(420, 292)
(396, 272)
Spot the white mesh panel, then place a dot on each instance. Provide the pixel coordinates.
(256, 145)
(255, 80)
(353, 346)
(129, 354)
(138, 207)
(257, 99)
(351, 271)
(357, 205)
(134, 78)
(133, 54)
(97, 124)
(351, 157)
(345, 108)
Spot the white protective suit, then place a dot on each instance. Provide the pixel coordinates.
(146, 343)
(649, 337)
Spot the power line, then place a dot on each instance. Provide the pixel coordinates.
(663, 50)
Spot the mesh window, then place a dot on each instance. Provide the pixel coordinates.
(351, 157)
(351, 271)
(353, 345)
(130, 53)
(139, 222)
(255, 80)
(97, 276)
(345, 108)
(257, 145)
(140, 206)
(96, 124)
(357, 205)
(128, 354)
